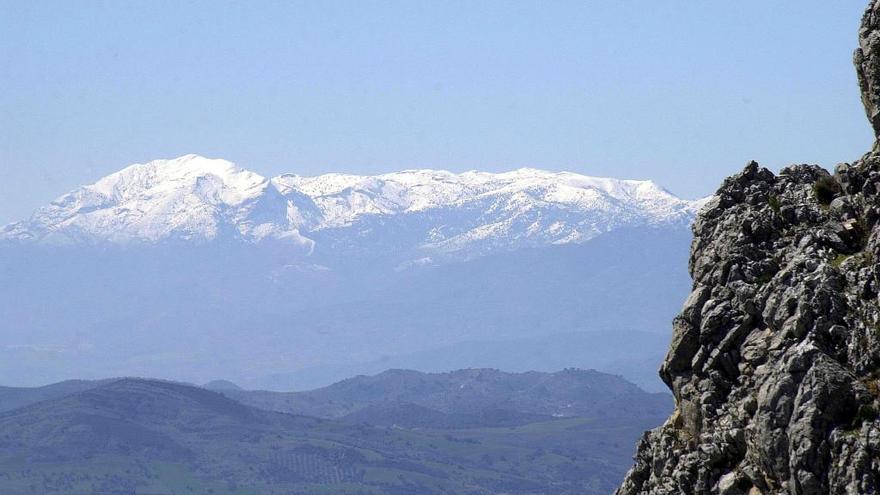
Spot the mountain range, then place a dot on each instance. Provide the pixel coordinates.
(196, 269)
(427, 213)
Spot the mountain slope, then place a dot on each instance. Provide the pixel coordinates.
(145, 436)
(16, 397)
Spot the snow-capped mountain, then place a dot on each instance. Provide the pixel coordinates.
(193, 198)
(195, 268)
(189, 197)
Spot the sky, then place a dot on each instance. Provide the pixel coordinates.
(683, 93)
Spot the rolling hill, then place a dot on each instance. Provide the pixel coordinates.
(146, 436)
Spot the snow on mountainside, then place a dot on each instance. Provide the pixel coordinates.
(193, 198)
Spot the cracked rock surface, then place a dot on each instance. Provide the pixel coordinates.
(775, 356)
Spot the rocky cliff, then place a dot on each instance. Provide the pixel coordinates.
(775, 356)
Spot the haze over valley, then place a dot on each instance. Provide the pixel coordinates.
(196, 269)
(439, 248)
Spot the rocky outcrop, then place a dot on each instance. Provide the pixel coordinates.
(867, 62)
(775, 357)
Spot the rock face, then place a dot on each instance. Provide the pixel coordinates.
(867, 62)
(775, 357)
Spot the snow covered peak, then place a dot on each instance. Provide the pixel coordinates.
(219, 181)
(343, 198)
(187, 198)
(194, 198)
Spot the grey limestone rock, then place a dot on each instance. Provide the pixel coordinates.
(867, 62)
(775, 356)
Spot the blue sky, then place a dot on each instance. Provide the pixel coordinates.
(680, 92)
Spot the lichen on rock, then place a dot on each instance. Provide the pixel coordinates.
(775, 356)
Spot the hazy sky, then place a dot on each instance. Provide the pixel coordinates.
(682, 92)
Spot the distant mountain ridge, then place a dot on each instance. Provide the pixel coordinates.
(608, 351)
(196, 199)
(531, 395)
(132, 435)
(472, 397)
